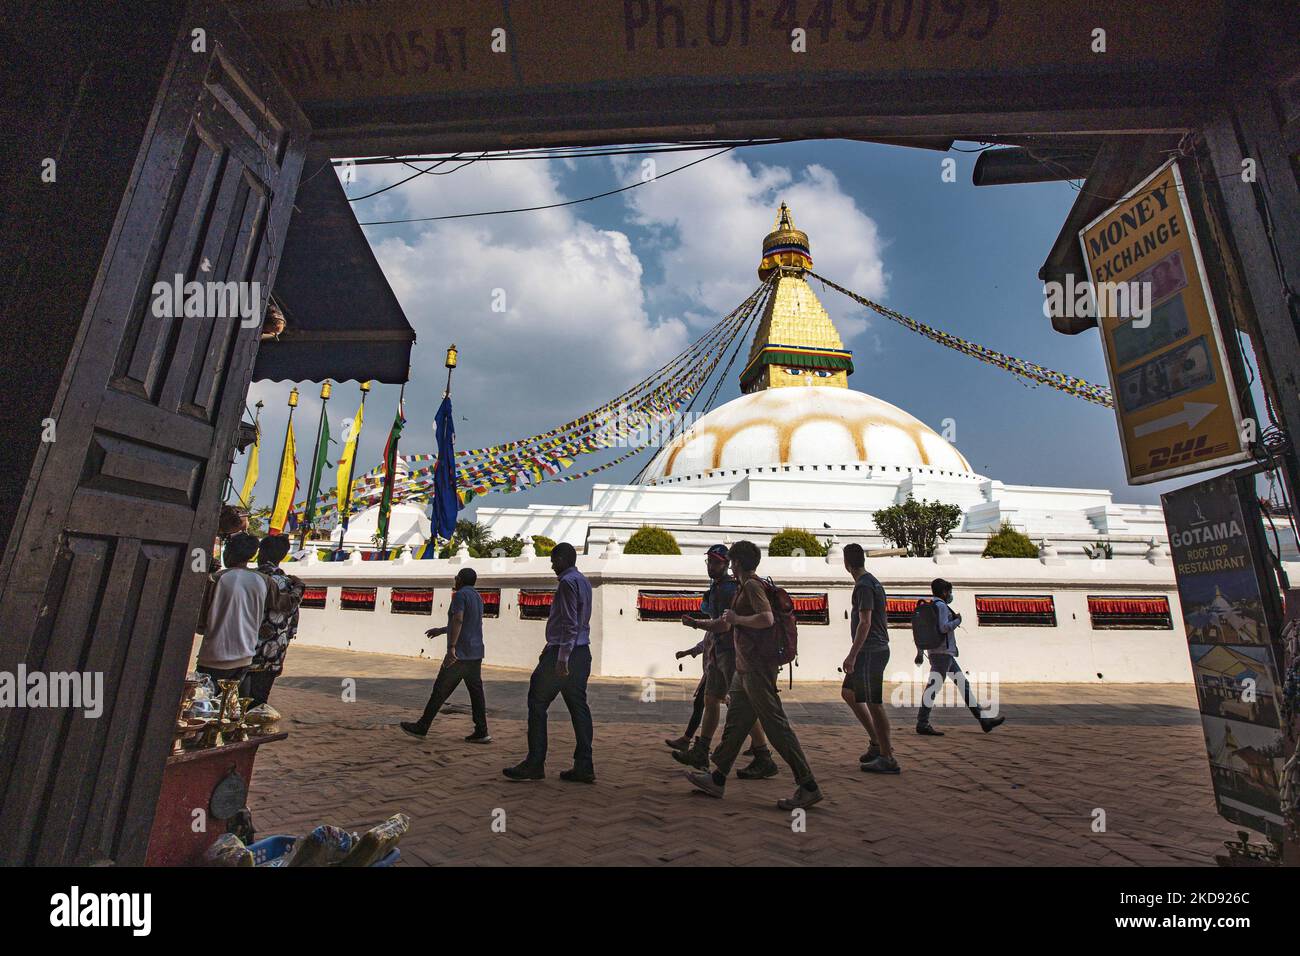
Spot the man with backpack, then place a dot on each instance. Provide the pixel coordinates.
(719, 668)
(762, 619)
(864, 667)
(934, 630)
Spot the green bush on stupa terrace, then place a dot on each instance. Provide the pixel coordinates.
(649, 539)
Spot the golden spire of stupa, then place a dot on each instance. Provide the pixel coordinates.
(785, 247)
(796, 343)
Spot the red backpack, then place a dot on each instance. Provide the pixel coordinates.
(781, 639)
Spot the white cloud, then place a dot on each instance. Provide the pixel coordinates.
(581, 322)
(712, 218)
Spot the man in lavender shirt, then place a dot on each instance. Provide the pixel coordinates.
(562, 671)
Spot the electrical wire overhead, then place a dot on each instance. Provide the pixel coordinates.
(554, 205)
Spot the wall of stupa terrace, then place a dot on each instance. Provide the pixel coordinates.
(828, 502)
(1073, 647)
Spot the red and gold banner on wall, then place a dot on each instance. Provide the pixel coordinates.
(1014, 605)
(1135, 607)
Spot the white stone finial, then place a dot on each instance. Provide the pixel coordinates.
(612, 549)
(462, 554)
(354, 557)
(1048, 554)
(834, 553)
(529, 551)
(943, 554)
(1157, 553)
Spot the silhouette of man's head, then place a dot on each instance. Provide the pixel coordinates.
(273, 548)
(563, 557)
(240, 549)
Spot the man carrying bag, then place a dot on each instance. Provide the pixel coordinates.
(764, 640)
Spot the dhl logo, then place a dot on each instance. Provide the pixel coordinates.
(1181, 452)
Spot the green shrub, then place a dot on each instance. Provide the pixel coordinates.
(917, 526)
(477, 539)
(649, 539)
(1103, 551)
(795, 541)
(543, 544)
(511, 547)
(1007, 542)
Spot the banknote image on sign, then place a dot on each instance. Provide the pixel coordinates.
(1175, 400)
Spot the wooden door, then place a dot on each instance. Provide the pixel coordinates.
(102, 577)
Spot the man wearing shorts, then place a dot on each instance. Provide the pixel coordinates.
(864, 668)
(719, 668)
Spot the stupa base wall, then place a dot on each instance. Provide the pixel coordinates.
(1073, 648)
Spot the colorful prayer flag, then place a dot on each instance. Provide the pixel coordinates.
(287, 485)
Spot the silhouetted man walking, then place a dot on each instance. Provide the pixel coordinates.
(464, 660)
(562, 670)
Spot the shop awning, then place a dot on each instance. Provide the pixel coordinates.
(1121, 163)
(342, 319)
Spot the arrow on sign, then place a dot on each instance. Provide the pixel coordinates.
(1193, 414)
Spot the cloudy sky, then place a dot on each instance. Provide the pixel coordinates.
(599, 293)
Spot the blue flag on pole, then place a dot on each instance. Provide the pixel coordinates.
(445, 504)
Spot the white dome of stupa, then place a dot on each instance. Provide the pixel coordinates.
(804, 426)
(796, 410)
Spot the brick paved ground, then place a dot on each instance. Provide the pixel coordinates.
(1024, 794)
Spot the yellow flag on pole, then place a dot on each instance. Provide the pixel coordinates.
(250, 474)
(287, 485)
(341, 489)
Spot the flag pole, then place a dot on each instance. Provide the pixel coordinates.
(346, 503)
(279, 477)
(390, 479)
(452, 360)
(313, 488)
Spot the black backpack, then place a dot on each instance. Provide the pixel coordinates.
(925, 626)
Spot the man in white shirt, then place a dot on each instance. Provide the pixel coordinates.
(239, 597)
(943, 664)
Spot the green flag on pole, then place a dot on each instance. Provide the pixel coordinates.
(390, 472)
(318, 467)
